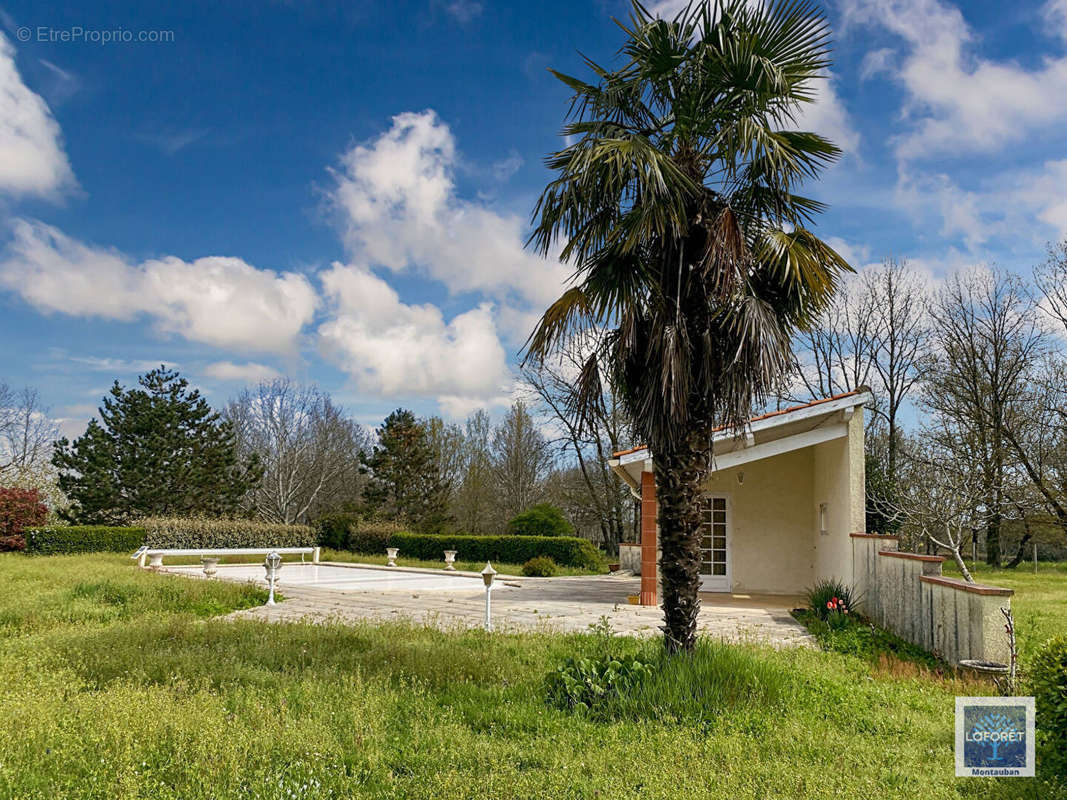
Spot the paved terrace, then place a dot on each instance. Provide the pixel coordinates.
(543, 604)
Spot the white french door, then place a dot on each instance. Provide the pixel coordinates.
(715, 544)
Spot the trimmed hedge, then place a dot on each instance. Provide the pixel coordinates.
(371, 537)
(567, 550)
(544, 519)
(1048, 682)
(83, 539)
(192, 532)
(333, 529)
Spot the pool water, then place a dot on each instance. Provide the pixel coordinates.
(345, 579)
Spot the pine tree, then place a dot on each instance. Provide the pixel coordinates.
(404, 476)
(157, 450)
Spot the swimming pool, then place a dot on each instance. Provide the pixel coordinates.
(346, 578)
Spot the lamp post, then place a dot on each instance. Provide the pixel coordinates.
(272, 563)
(488, 574)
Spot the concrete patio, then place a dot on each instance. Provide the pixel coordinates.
(544, 604)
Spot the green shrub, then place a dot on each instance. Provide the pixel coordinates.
(372, 536)
(539, 567)
(831, 601)
(590, 683)
(1048, 683)
(566, 550)
(83, 539)
(543, 519)
(333, 529)
(195, 532)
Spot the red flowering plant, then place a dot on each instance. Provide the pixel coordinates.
(832, 602)
(19, 509)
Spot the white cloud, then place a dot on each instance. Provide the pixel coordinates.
(959, 101)
(877, 62)
(220, 301)
(464, 10)
(827, 116)
(117, 365)
(401, 211)
(32, 159)
(506, 167)
(250, 372)
(858, 256)
(391, 348)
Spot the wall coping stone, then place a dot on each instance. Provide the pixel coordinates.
(874, 536)
(912, 556)
(973, 588)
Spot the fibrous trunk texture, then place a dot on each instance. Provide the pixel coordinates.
(679, 479)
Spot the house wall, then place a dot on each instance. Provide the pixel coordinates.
(838, 468)
(771, 526)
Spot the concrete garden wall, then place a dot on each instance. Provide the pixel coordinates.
(907, 594)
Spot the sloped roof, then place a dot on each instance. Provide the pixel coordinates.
(769, 415)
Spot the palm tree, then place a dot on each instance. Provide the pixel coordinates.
(675, 203)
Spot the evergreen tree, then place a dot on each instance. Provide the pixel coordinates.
(405, 481)
(156, 450)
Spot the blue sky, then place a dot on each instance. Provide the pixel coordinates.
(340, 191)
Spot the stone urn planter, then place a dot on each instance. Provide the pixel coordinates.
(391, 553)
(450, 559)
(211, 565)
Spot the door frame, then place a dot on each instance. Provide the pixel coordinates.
(722, 583)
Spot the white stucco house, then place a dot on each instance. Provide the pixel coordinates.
(785, 508)
(779, 507)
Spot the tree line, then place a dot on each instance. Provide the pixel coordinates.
(285, 452)
(967, 442)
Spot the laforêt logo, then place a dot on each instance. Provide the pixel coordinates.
(995, 736)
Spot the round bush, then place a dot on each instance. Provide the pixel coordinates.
(539, 567)
(1048, 682)
(541, 520)
(333, 529)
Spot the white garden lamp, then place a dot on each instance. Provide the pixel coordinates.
(488, 574)
(272, 563)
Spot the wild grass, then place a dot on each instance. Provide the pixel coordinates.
(43, 592)
(159, 702)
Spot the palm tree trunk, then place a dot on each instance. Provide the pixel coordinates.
(679, 479)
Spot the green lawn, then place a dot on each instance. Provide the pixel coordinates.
(118, 686)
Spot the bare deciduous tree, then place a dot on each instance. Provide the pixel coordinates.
(898, 304)
(937, 501)
(588, 439)
(474, 501)
(308, 447)
(26, 433)
(521, 460)
(986, 339)
(836, 353)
